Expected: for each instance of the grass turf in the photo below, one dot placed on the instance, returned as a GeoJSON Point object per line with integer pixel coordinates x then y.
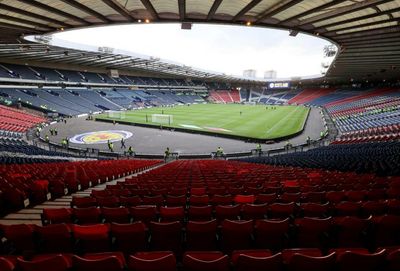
{"type": "Point", "coordinates": [231, 119]}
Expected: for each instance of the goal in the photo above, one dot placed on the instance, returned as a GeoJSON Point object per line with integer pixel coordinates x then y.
{"type": "Point", "coordinates": [116, 115]}
{"type": "Point", "coordinates": [162, 119]}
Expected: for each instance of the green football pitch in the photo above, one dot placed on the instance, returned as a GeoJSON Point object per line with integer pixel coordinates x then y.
{"type": "Point", "coordinates": [252, 121]}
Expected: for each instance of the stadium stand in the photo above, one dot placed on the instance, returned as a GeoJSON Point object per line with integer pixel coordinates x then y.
{"type": "Point", "coordinates": [328, 204]}
{"type": "Point", "coordinates": [308, 95]}
{"type": "Point", "coordinates": [361, 220]}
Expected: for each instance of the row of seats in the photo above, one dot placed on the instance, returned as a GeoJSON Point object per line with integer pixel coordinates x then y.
{"type": "Point", "coordinates": [241, 260]}
{"type": "Point", "coordinates": [23, 184]}
{"type": "Point", "coordinates": [134, 212]}
{"type": "Point", "coordinates": [378, 157]}
{"type": "Point", "coordinates": [325, 234]}
{"type": "Point", "coordinates": [16, 120]}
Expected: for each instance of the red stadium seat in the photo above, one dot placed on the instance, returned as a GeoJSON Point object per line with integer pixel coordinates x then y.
{"type": "Point", "coordinates": [110, 261]}
{"type": "Point", "coordinates": [6, 264]}
{"type": "Point", "coordinates": [227, 212]}
{"type": "Point", "coordinates": [144, 213]}
{"type": "Point", "coordinates": [200, 261]}
{"type": "Point", "coordinates": [236, 234]}
{"type": "Point", "coordinates": [172, 213]}
{"type": "Point", "coordinates": [200, 213]}
{"type": "Point", "coordinates": [314, 209]}
{"type": "Point", "coordinates": [254, 211]}
{"type": "Point", "coordinates": [55, 238]}
{"type": "Point", "coordinates": [281, 210]}
{"type": "Point", "coordinates": [246, 262]}
{"type": "Point", "coordinates": [117, 215]}
{"type": "Point", "coordinates": [53, 263]}
{"type": "Point", "coordinates": [89, 215]}
{"type": "Point", "coordinates": [93, 238]}
{"type": "Point", "coordinates": [176, 201]}
{"type": "Point", "coordinates": [351, 231]}
{"type": "Point", "coordinates": [349, 260]}
{"type": "Point", "coordinates": [271, 234]}
{"type": "Point", "coordinates": [266, 198]}
{"type": "Point", "coordinates": [21, 237]}
{"type": "Point", "coordinates": [300, 262]}
{"type": "Point", "coordinates": [152, 261]}
{"type": "Point", "coordinates": [202, 200]}
{"type": "Point", "coordinates": [56, 215]}
{"type": "Point", "coordinates": [166, 236]}
{"type": "Point", "coordinates": [129, 237]}
{"type": "Point", "coordinates": [201, 235]}
{"type": "Point", "coordinates": [313, 232]}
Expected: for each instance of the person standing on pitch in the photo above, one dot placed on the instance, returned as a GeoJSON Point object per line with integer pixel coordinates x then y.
{"type": "Point", "coordinates": [258, 149]}
{"type": "Point", "coordinates": [123, 143]}
{"type": "Point", "coordinates": [166, 154]}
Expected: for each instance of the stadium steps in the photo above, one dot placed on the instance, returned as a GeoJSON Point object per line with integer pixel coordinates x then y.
{"type": "Point", "coordinates": [32, 215]}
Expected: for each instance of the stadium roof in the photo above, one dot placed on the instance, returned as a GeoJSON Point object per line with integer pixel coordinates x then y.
{"type": "Point", "coordinates": [367, 31]}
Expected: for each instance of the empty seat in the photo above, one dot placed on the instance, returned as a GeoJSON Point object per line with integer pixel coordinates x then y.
{"type": "Point", "coordinates": [144, 213]}
{"type": "Point", "coordinates": [130, 201]}
{"type": "Point", "coordinates": [109, 261]}
{"type": "Point", "coordinates": [335, 196]}
{"type": "Point", "coordinates": [281, 210]}
{"type": "Point", "coordinates": [351, 231]}
{"type": "Point", "coordinates": [208, 260]}
{"type": "Point", "coordinates": [166, 236]}
{"type": "Point", "coordinates": [314, 210]}
{"type": "Point", "coordinates": [200, 213]}
{"type": "Point", "coordinates": [89, 215]}
{"type": "Point", "coordinates": [56, 215]}
{"type": "Point", "coordinates": [254, 211]}
{"type": "Point", "coordinates": [172, 213]}
{"type": "Point", "coordinates": [347, 208]}
{"type": "Point", "coordinates": [258, 262]}
{"type": "Point", "coordinates": [300, 262]}
{"type": "Point", "coordinates": [266, 198]}
{"type": "Point", "coordinates": [152, 261]}
{"type": "Point", "coordinates": [227, 212]}
{"type": "Point", "coordinates": [244, 199]}
{"type": "Point", "coordinates": [55, 238]}
{"type": "Point", "coordinates": [92, 238]}
{"type": "Point", "coordinates": [350, 260]}
{"type": "Point", "coordinates": [83, 202]}
{"type": "Point", "coordinates": [20, 236]}
{"type": "Point", "coordinates": [201, 235]}
{"type": "Point", "coordinates": [7, 265]}
{"type": "Point", "coordinates": [156, 200]}
{"type": "Point", "coordinates": [51, 263]}
{"type": "Point", "coordinates": [222, 200]}
{"type": "Point", "coordinates": [386, 230]}
{"type": "Point", "coordinates": [271, 234]}
{"type": "Point", "coordinates": [129, 237]}
{"type": "Point", "coordinates": [117, 215]}
{"type": "Point", "coordinates": [174, 201]}
{"type": "Point", "coordinates": [110, 202]}
{"type": "Point", "coordinates": [199, 200]}
{"type": "Point", "coordinates": [313, 232]}
{"type": "Point", "coordinates": [236, 234]}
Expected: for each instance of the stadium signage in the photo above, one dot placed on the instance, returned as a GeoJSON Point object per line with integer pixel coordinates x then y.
{"type": "Point", "coordinates": [279, 85]}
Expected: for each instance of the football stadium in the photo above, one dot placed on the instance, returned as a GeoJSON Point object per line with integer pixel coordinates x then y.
{"type": "Point", "coordinates": [115, 160]}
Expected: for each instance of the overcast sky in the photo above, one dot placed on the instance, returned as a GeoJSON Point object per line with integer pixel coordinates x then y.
{"type": "Point", "coordinates": [220, 48]}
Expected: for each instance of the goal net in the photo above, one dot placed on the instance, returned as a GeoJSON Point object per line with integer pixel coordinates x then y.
{"type": "Point", "coordinates": [162, 119]}
{"type": "Point", "coordinates": [116, 114]}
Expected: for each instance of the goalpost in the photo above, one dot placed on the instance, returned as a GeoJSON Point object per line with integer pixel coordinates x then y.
{"type": "Point", "coordinates": [162, 119]}
{"type": "Point", "coordinates": [116, 114]}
